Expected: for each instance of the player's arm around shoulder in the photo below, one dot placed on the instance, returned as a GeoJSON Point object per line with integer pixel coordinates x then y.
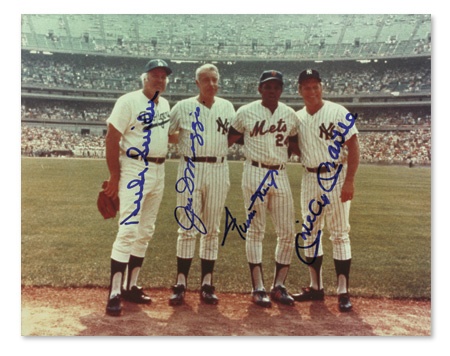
{"type": "Point", "coordinates": [174, 127]}
{"type": "Point", "coordinates": [236, 130]}
{"type": "Point", "coordinates": [293, 145]}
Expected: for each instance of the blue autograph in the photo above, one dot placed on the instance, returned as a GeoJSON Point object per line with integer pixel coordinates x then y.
{"type": "Point", "coordinates": [133, 152]}
{"type": "Point", "coordinates": [261, 192]}
{"type": "Point", "coordinates": [334, 152]}
{"type": "Point", "coordinates": [187, 181]}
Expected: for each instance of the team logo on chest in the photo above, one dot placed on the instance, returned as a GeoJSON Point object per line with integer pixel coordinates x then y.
{"type": "Point", "coordinates": [326, 132]}
{"type": "Point", "coordinates": [222, 126]}
{"type": "Point", "coordinates": [260, 129]}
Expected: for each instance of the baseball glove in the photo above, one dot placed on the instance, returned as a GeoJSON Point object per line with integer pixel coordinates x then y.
{"type": "Point", "coordinates": [107, 206]}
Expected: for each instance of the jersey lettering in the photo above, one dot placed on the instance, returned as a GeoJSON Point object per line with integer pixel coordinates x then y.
{"type": "Point", "coordinates": [258, 129]}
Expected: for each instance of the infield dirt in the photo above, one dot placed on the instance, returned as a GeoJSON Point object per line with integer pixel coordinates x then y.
{"type": "Point", "coordinates": [81, 312]}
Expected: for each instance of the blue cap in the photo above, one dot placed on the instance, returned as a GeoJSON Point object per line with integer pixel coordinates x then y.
{"type": "Point", "coordinates": [271, 75]}
{"type": "Point", "coordinates": [157, 63]}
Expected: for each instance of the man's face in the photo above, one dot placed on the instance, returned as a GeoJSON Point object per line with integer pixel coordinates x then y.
{"type": "Point", "coordinates": [270, 92]}
{"type": "Point", "coordinates": [208, 83]}
{"type": "Point", "coordinates": [156, 81]}
{"type": "Point", "coordinates": [311, 92]}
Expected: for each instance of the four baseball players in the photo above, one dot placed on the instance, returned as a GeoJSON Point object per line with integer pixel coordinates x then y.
{"type": "Point", "coordinates": [323, 134]}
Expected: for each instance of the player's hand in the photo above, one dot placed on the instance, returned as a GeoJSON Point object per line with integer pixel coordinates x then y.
{"type": "Point", "coordinates": [347, 191]}
{"type": "Point", "coordinates": [112, 189]}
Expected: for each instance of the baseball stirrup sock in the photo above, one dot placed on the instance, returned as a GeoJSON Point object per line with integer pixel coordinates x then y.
{"type": "Point", "coordinates": [315, 272]}
{"type": "Point", "coordinates": [183, 267]}
{"type": "Point", "coordinates": [281, 272]}
{"type": "Point", "coordinates": [134, 267]}
{"type": "Point", "coordinates": [117, 273]}
{"type": "Point", "coordinates": [257, 276]}
{"type": "Point", "coordinates": [207, 271]}
{"type": "Point", "coordinates": [342, 272]}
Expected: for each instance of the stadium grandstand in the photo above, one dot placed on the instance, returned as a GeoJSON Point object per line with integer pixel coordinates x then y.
{"type": "Point", "coordinates": [74, 67]}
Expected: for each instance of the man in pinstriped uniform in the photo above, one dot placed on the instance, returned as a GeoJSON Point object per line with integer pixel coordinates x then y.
{"type": "Point", "coordinates": [203, 179]}
{"type": "Point", "coordinates": [266, 126]}
{"type": "Point", "coordinates": [327, 133]}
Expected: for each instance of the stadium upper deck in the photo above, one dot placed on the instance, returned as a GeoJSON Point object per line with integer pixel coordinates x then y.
{"type": "Point", "coordinates": [228, 37]}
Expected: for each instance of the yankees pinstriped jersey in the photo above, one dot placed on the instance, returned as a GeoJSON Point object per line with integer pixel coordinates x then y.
{"type": "Point", "coordinates": [266, 135]}
{"type": "Point", "coordinates": [315, 132]}
{"type": "Point", "coordinates": [203, 133]}
{"type": "Point", "coordinates": [215, 121]}
{"type": "Point", "coordinates": [126, 118]}
{"type": "Point", "coordinates": [315, 137]}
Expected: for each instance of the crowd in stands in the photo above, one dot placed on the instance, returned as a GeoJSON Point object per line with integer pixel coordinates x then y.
{"type": "Point", "coordinates": [392, 147]}
{"type": "Point", "coordinates": [368, 118]}
{"type": "Point", "coordinates": [396, 147]}
{"type": "Point", "coordinates": [118, 74]}
{"type": "Point", "coordinates": [47, 141]}
{"type": "Point", "coordinates": [47, 110]}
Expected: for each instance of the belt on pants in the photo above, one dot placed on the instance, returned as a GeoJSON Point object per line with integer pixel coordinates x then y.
{"type": "Point", "coordinates": [205, 159]}
{"type": "Point", "coordinates": [262, 165]}
{"type": "Point", "coordinates": [157, 160]}
{"type": "Point", "coordinates": [323, 169]}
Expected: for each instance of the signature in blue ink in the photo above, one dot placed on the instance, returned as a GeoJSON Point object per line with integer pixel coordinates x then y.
{"type": "Point", "coordinates": [333, 179]}
{"type": "Point", "coordinates": [315, 210]}
{"type": "Point", "coordinates": [196, 136]}
{"type": "Point", "coordinates": [131, 185]}
{"type": "Point", "coordinates": [186, 182]}
{"type": "Point", "coordinates": [260, 193]}
{"type": "Point", "coordinates": [133, 152]}
{"type": "Point", "coordinates": [193, 218]}
{"type": "Point", "coordinates": [334, 152]}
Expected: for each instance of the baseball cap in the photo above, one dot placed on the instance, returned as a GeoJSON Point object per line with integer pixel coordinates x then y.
{"type": "Point", "coordinates": [271, 75]}
{"type": "Point", "coordinates": [157, 63]}
{"type": "Point", "coordinates": [308, 74]}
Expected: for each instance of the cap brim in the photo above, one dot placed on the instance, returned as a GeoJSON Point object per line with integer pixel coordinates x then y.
{"type": "Point", "coordinates": [167, 69]}
{"type": "Point", "coordinates": [266, 80]}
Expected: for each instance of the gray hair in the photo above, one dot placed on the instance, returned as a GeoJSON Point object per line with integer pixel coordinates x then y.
{"type": "Point", "coordinates": [206, 67]}
{"type": "Point", "coordinates": [144, 77]}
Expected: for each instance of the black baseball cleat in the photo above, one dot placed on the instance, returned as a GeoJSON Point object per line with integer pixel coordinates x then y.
{"type": "Point", "coordinates": [344, 302]}
{"type": "Point", "coordinates": [260, 297]}
{"type": "Point", "coordinates": [177, 298]}
{"type": "Point", "coordinates": [207, 294]}
{"type": "Point", "coordinates": [114, 306]}
{"type": "Point", "coordinates": [280, 295]}
{"type": "Point", "coordinates": [308, 294]}
{"type": "Point", "coordinates": [136, 295]}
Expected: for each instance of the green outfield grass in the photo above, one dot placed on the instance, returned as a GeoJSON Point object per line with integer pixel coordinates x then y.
{"type": "Point", "coordinates": [67, 243]}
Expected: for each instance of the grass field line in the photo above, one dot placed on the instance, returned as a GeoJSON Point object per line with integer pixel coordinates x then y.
{"type": "Point", "coordinates": [66, 242]}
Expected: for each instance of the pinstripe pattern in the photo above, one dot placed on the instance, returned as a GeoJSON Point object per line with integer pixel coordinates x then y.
{"type": "Point", "coordinates": [270, 147]}
{"type": "Point", "coordinates": [314, 144]}
{"type": "Point", "coordinates": [211, 180]}
{"type": "Point", "coordinates": [313, 147]}
{"type": "Point", "coordinates": [265, 137]}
